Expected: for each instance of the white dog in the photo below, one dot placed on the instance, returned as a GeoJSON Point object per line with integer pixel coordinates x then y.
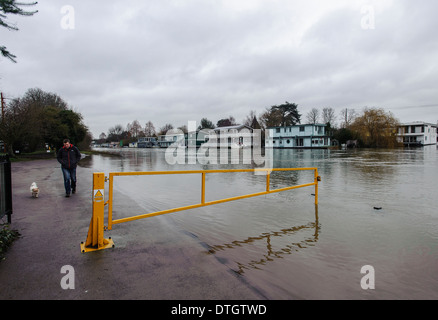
{"type": "Point", "coordinates": [34, 190]}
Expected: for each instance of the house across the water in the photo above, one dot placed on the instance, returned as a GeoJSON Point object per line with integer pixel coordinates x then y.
{"type": "Point", "coordinates": [146, 142]}
{"type": "Point", "coordinates": [298, 136]}
{"type": "Point", "coordinates": [237, 136]}
{"type": "Point", "coordinates": [417, 133]}
{"type": "Point", "coordinates": [175, 139]}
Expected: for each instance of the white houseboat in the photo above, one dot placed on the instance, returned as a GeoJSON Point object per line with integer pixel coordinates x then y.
{"type": "Point", "coordinates": [237, 136]}
{"type": "Point", "coordinates": [176, 138]}
{"type": "Point", "coordinates": [298, 137]}
{"type": "Point", "coordinates": [417, 133]}
{"type": "Point", "coordinates": [146, 142]}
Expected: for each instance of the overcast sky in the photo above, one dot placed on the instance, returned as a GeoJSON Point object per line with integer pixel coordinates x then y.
{"type": "Point", "coordinates": [172, 61]}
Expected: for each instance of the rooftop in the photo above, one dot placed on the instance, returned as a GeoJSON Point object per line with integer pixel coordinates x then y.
{"type": "Point", "coordinates": [418, 123]}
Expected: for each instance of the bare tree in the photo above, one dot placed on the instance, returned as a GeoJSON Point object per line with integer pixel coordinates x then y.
{"type": "Point", "coordinates": [115, 132]}
{"type": "Point", "coordinates": [348, 115]}
{"type": "Point", "coordinates": [183, 128]}
{"type": "Point", "coordinates": [149, 129]}
{"type": "Point", "coordinates": [250, 118]}
{"type": "Point", "coordinates": [165, 128]}
{"type": "Point", "coordinates": [312, 116]}
{"type": "Point", "coordinates": [328, 116]}
{"type": "Point", "coordinates": [134, 128]}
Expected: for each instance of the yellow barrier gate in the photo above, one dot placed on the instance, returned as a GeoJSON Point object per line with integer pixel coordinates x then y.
{"type": "Point", "coordinates": [95, 239]}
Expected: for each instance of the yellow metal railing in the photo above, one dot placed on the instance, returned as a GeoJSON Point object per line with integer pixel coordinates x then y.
{"type": "Point", "coordinates": [95, 240]}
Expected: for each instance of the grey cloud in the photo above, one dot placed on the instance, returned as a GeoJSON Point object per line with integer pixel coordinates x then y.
{"type": "Point", "coordinates": [174, 61]}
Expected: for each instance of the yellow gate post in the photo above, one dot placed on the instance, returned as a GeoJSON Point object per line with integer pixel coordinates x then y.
{"type": "Point", "coordinates": [316, 180]}
{"type": "Point", "coordinates": [95, 240]}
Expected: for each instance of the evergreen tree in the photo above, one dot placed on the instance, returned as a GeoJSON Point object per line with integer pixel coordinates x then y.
{"type": "Point", "coordinates": [12, 7]}
{"type": "Point", "coordinates": [38, 118]}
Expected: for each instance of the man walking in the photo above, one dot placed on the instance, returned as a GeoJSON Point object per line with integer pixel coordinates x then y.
{"type": "Point", "coordinates": [68, 156]}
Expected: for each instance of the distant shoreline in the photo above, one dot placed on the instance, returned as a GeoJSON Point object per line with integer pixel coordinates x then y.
{"type": "Point", "coordinates": [42, 155]}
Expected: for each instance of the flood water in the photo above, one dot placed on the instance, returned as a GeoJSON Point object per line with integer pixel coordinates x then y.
{"type": "Point", "coordinates": [285, 246]}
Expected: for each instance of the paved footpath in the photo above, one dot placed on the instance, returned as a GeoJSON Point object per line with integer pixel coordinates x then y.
{"type": "Point", "coordinates": [151, 260]}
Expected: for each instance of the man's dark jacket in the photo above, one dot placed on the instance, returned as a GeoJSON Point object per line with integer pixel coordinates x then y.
{"type": "Point", "coordinates": [69, 158]}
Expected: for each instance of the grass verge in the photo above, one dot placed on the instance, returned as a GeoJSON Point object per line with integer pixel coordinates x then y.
{"type": "Point", "coordinates": [7, 237]}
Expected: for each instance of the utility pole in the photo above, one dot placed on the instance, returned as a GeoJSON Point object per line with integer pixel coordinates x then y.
{"type": "Point", "coordinates": [3, 105]}
{"type": "Point", "coordinates": [346, 117]}
{"type": "Point", "coordinates": [3, 116]}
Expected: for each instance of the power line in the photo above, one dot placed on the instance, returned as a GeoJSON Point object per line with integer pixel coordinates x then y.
{"type": "Point", "coordinates": [422, 106]}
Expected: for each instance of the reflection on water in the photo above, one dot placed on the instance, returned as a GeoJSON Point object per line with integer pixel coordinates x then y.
{"type": "Point", "coordinates": [270, 254]}
{"type": "Point", "coordinates": [311, 260]}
